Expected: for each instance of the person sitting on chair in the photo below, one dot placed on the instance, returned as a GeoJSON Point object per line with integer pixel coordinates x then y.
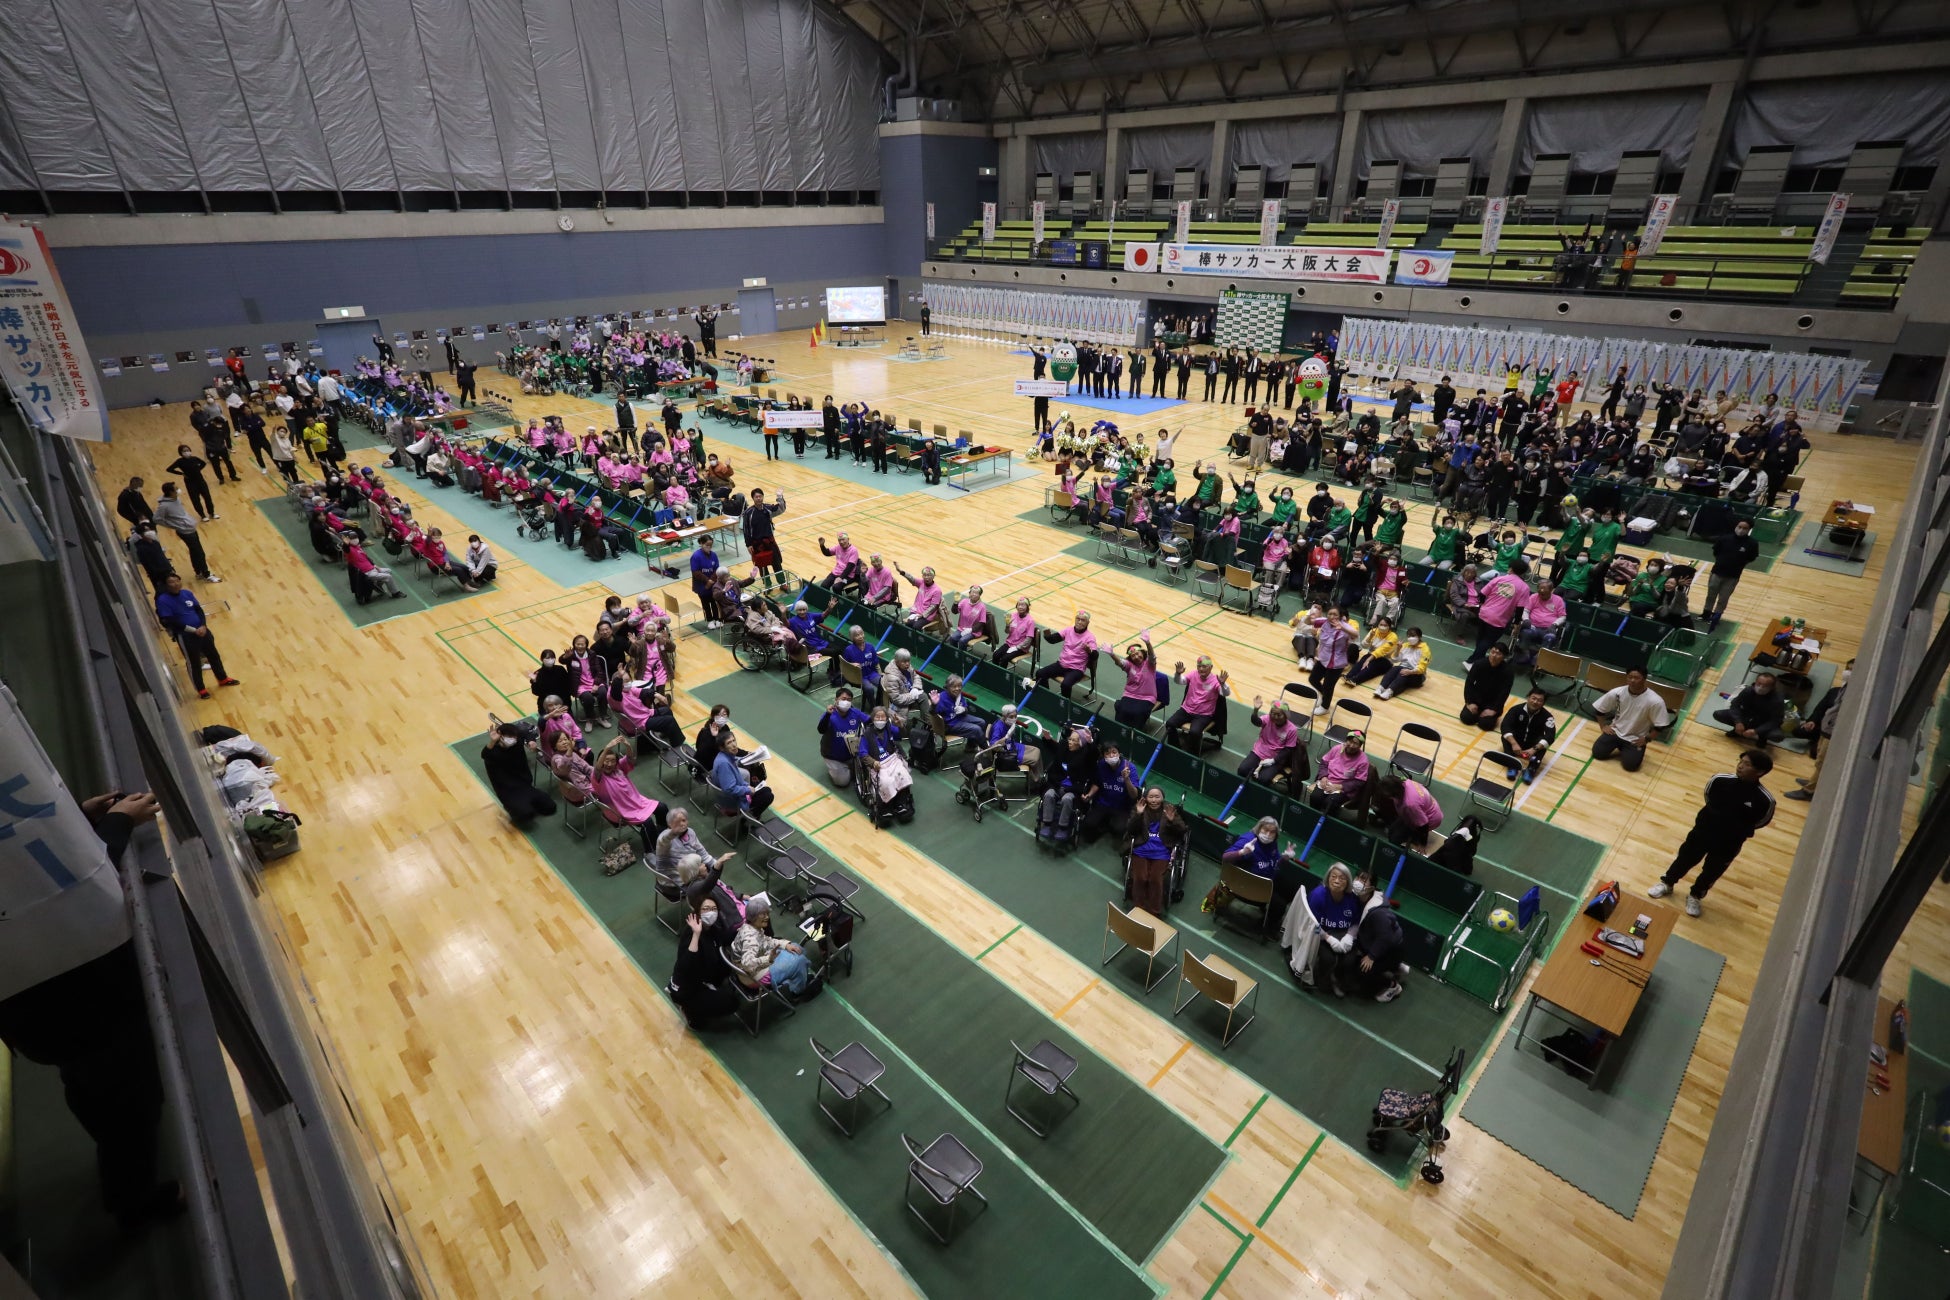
{"type": "Point", "coordinates": [1112, 791]}
{"type": "Point", "coordinates": [846, 565]}
{"type": "Point", "coordinates": [971, 619]}
{"type": "Point", "coordinates": [1277, 735]}
{"type": "Point", "coordinates": [1073, 661]}
{"type": "Point", "coordinates": [863, 656]}
{"type": "Point", "coordinates": [881, 589]}
{"type": "Point", "coordinates": [1376, 965]}
{"type": "Point", "coordinates": [1006, 731]}
{"type": "Point", "coordinates": [1344, 775]}
{"type": "Point", "coordinates": [808, 629]}
{"type": "Point", "coordinates": [1152, 837]}
{"type": "Point", "coordinates": [902, 685]}
{"type": "Point", "coordinates": [614, 787]}
{"type": "Point", "coordinates": [1406, 810]}
{"type": "Point", "coordinates": [1205, 692]}
{"type": "Point", "coordinates": [880, 750]}
{"type": "Point", "coordinates": [1259, 851]}
{"type": "Point", "coordinates": [737, 793]}
{"type": "Point", "coordinates": [766, 962]}
{"type": "Point", "coordinates": [839, 721]}
{"type": "Point", "coordinates": [957, 713]}
{"type": "Point", "coordinates": [927, 596]}
{"type": "Point", "coordinates": [1070, 771]}
{"type": "Point", "coordinates": [1018, 635]}
{"type": "Point", "coordinates": [1334, 907]}
{"type": "Point", "coordinates": [1140, 697]}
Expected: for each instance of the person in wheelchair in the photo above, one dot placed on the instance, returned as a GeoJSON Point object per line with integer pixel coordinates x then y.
{"type": "Point", "coordinates": [957, 713]}
{"type": "Point", "coordinates": [1154, 835]}
{"type": "Point", "coordinates": [1110, 794]}
{"type": "Point", "coordinates": [1259, 851]}
{"type": "Point", "coordinates": [1006, 732]}
{"type": "Point", "coordinates": [886, 782]}
{"type": "Point", "coordinates": [862, 655]}
{"type": "Point", "coordinates": [840, 721]}
{"type": "Point", "coordinates": [1072, 769]}
{"type": "Point", "coordinates": [811, 635]}
{"type": "Point", "coordinates": [1073, 661]}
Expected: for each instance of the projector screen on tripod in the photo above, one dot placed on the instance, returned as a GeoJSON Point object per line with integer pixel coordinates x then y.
{"type": "Point", "coordinates": [863, 306]}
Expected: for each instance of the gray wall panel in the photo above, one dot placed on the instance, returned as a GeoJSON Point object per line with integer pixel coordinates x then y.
{"type": "Point", "coordinates": [730, 85]}
{"type": "Point", "coordinates": [341, 90]}
{"type": "Point", "coordinates": [766, 75]}
{"type": "Point", "coordinates": [564, 93]}
{"type": "Point", "coordinates": [112, 55]}
{"type": "Point", "coordinates": [465, 117]}
{"type": "Point", "coordinates": [507, 67]}
{"type": "Point", "coordinates": [190, 48]}
{"type": "Point", "coordinates": [42, 94]}
{"type": "Point", "coordinates": [610, 82]}
{"type": "Point", "coordinates": [399, 82]}
{"type": "Point", "coordinates": [271, 79]}
{"type": "Point", "coordinates": [648, 56]}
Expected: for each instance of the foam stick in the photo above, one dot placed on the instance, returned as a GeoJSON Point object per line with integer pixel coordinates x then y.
{"type": "Point", "coordinates": [1312, 837]}
{"type": "Point", "coordinates": [885, 633]}
{"type": "Point", "coordinates": [1400, 862]}
{"type": "Point", "coordinates": [1147, 764]}
{"type": "Point", "coordinates": [1225, 814]}
{"type": "Point", "coordinates": [931, 654]}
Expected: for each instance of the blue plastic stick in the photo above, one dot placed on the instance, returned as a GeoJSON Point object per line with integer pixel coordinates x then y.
{"type": "Point", "coordinates": [1147, 764]}
{"type": "Point", "coordinates": [1312, 837]}
{"type": "Point", "coordinates": [1620, 629]}
{"type": "Point", "coordinates": [1400, 862]}
{"type": "Point", "coordinates": [931, 654]}
{"type": "Point", "coordinates": [885, 633]}
{"type": "Point", "coordinates": [804, 587]}
{"type": "Point", "coordinates": [1226, 812]}
{"type": "Point", "coordinates": [1023, 703]}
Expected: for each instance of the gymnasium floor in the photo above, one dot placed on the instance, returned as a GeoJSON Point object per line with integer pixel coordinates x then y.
{"type": "Point", "coordinates": [548, 1126]}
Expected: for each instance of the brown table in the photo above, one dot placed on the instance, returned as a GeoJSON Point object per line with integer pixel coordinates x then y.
{"type": "Point", "coordinates": [1879, 1142]}
{"type": "Point", "coordinates": [1604, 995]}
{"type": "Point", "coordinates": [1843, 514]}
{"type": "Point", "coordinates": [1764, 645]}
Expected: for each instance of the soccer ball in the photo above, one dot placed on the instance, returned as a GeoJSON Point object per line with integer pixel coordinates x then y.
{"type": "Point", "coordinates": [1503, 920]}
{"type": "Point", "coordinates": [1943, 1133]}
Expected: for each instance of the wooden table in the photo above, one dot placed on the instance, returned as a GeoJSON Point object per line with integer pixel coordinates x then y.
{"type": "Point", "coordinates": [1765, 646]}
{"type": "Point", "coordinates": [657, 547]}
{"type": "Point", "coordinates": [996, 458]}
{"type": "Point", "coordinates": [1879, 1142]}
{"type": "Point", "coordinates": [1601, 995]}
{"type": "Point", "coordinates": [1844, 514]}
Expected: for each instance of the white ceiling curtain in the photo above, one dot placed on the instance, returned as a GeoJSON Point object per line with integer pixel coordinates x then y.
{"type": "Point", "coordinates": [1422, 137]}
{"type": "Point", "coordinates": [1164, 149]}
{"type": "Point", "coordinates": [1276, 143]}
{"type": "Point", "coordinates": [177, 95]}
{"type": "Point", "coordinates": [1825, 119]}
{"type": "Point", "coordinates": [1064, 153]}
{"type": "Point", "coordinates": [1597, 130]}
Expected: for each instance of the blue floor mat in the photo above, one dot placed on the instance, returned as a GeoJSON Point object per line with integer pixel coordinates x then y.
{"type": "Point", "coordinates": [1122, 405]}
{"type": "Point", "coordinates": [497, 527]}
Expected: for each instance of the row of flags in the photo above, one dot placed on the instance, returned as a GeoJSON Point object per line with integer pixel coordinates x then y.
{"type": "Point", "coordinates": [1092, 318]}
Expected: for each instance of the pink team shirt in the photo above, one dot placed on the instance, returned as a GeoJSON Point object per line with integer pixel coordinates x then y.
{"type": "Point", "coordinates": [1076, 648]}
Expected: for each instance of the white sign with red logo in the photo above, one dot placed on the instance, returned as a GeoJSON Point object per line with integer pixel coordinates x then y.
{"type": "Point", "coordinates": [1424, 266]}
{"type": "Point", "coordinates": [988, 223]}
{"type": "Point", "coordinates": [775, 419]}
{"type": "Point", "coordinates": [1391, 212]}
{"type": "Point", "coordinates": [1269, 221]}
{"type": "Point", "coordinates": [1492, 225]}
{"type": "Point", "coordinates": [1656, 222]}
{"type": "Point", "coordinates": [42, 355]}
{"type": "Point", "coordinates": [1831, 225]}
{"type": "Point", "coordinates": [1036, 217]}
{"type": "Point", "coordinates": [1184, 220]}
{"type": "Point", "coordinates": [1278, 262]}
{"type": "Point", "coordinates": [1140, 257]}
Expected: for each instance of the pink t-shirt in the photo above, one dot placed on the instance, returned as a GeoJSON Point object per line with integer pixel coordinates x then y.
{"type": "Point", "coordinates": [1141, 680]}
{"type": "Point", "coordinates": [1542, 612]}
{"type": "Point", "coordinates": [1076, 648]}
{"type": "Point", "coordinates": [633, 708]}
{"type": "Point", "coordinates": [1500, 599]}
{"type": "Point", "coordinates": [1273, 739]}
{"type": "Point", "coordinates": [620, 793]}
{"type": "Point", "coordinates": [1419, 807]}
{"type": "Point", "coordinates": [927, 598]}
{"type": "Point", "coordinates": [970, 614]}
{"type": "Point", "coordinates": [880, 585]}
{"type": "Point", "coordinates": [1202, 694]}
{"type": "Point", "coordinates": [1275, 551]}
{"type": "Point", "coordinates": [844, 557]}
{"type": "Point", "coordinates": [1021, 628]}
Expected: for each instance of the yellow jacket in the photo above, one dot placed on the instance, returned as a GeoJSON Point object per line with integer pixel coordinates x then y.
{"type": "Point", "coordinates": [1414, 658]}
{"type": "Point", "coordinates": [1379, 643]}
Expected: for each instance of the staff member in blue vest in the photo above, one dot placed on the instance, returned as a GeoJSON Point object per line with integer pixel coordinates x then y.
{"type": "Point", "coordinates": [182, 613]}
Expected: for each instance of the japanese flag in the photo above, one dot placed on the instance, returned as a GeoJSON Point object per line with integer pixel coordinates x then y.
{"type": "Point", "coordinates": [1140, 257]}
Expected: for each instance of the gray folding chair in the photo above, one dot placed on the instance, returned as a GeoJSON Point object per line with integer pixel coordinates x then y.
{"type": "Point", "coordinates": [1047, 1066]}
{"type": "Point", "coordinates": [945, 1170]}
{"type": "Point", "coordinates": [850, 1072]}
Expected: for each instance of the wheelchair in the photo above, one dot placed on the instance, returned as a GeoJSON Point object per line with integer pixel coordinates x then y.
{"type": "Point", "coordinates": [537, 521]}
{"type": "Point", "coordinates": [757, 650]}
{"type": "Point", "coordinates": [1175, 883]}
{"type": "Point", "coordinates": [1419, 1114]}
{"type": "Point", "coordinates": [866, 785]}
{"type": "Point", "coordinates": [980, 790]}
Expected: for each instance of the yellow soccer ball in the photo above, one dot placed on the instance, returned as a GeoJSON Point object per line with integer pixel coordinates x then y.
{"type": "Point", "coordinates": [1503, 920]}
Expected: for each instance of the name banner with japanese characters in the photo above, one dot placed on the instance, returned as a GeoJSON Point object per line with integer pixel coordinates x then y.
{"type": "Point", "coordinates": [42, 355]}
{"type": "Point", "coordinates": [1279, 262]}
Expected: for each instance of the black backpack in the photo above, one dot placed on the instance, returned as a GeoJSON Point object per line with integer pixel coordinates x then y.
{"type": "Point", "coordinates": [923, 748]}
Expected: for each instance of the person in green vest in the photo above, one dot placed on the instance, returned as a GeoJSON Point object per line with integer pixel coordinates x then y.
{"type": "Point", "coordinates": [1605, 536]}
{"type": "Point", "coordinates": [1167, 480]}
{"type": "Point", "coordinates": [1541, 384]}
{"type": "Point", "coordinates": [1245, 498]}
{"type": "Point", "coordinates": [1367, 509]}
{"type": "Point", "coordinates": [1576, 529]}
{"type": "Point", "coordinates": [1643, 592]}
{"type": "Point", "coordinates": [1338, 520]}
{"type": "Point", "coordinates": [1445, 552]}
{"type": "Point", "coordinates": [1509, 550]}
{"type": "Point", "coordinates": [1576, 582]}
{"type": "Point", "coordinates": [1394, 521]}
{"type": "Point", "coordinates": [1209, 486]}
{"type": "Point", "coordinates": [1285, 509]}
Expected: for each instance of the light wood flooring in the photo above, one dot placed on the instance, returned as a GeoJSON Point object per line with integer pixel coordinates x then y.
{"type": "Point", "coordinates": [546, 1123]}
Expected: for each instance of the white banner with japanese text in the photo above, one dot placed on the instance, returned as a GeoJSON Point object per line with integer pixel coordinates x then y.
{"type": "Point", "coordinates": [1831, 226]}
{"type": "Point", "coordinates": [1036, 220]}
{"type": "Point", "coordinates": [988, 223]}
{"type": "Point", "coordinates": [1269, 221]}
{"type": "Point", "coordinates": [1279, 262]}
{"type": "Point", "coordinates": [42, 355]}
{"type": "Point", "coordinates": [1391, 212]}
{"type": "Point", "coordinates": [930, 221]}
{"type": "Point", "coordinates": [1656, 222]}
{"type": "Point", "coordinates": [1492, 225]}
{"type": "Point", "coordinates": [1184, 220]}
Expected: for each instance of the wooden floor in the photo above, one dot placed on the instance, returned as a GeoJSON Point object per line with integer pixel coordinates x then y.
{"type": "Point", "coordinates": [548, 1126]}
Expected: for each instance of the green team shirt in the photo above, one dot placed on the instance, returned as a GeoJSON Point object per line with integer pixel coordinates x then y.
{"type": "Point", "coordinates": [1644, 589]}
{"type": "Point", "coordinates": [1447, 545]}
{"type": "Point", "coordinates": [1208, 489]}
{"type": "Point", "coordinates": [1573, 537]}
{"type": "Point", "coordinates": [1284, 510]}
{"type": "Point", "coordinates": [1166, 481]}
{"type": "Point", "coordinates": [1604, 540]}
{"type": "Point", "coordinates": [1541, 384]}
{"type": "Point", "coordinates": [1338, 518]}
{"type": "Point", "coordinates": [1389, 531]}
{"type": "Point", "coordinates": [1507, 555]}
{"type": "Point", "coordinates": [1577, 578]}
{"type": "Point", "coordinates": [1247, 503]}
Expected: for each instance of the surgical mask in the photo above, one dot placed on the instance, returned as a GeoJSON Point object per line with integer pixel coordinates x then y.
{"type": "Point", "coordinates": [880, 724]}
{"type": "Point", "coordinates": [1359, 888]}
{"type": "Point", "coordinates": [548, 661]}
{"type": "Point", "coordinates": [507, 741]}
{"type": "Point", "coordinates": [1267, 837]}
{"type": "Point", "coordinates": [709, 916]}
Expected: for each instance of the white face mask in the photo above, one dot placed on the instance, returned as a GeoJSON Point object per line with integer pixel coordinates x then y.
{"type": "Point", "coordinates": [1267, 837]}
{"type": "Point", "coordinates": [880, 724]}
{"type": "Point", "coordinates": [709, 916]}
{"type": "Point", "coordinates": [507, 741]}
{"type": "Point", "coordinates": [1842, 678]}
{"type": "Point", "coordinates": [1359, 888]}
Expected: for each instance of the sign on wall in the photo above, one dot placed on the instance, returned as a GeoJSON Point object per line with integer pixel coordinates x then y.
{"type": "Point", "coordinates": [1036, 220]}
{"type": "Point", "coordinates": [1269, 221]}
{"type": "Point", "coordinates": [930, 221]}
{"type": "Point", "coordinates": [988, 223]}
{"type": "Point", "coordinates": [1424, 266]}
{"type": "Point", "coordinates": [1656, 222]}
{"type": "Point", "coordinates": [1282, 262]}
{"type": "Point", "coordinates": [42, 355]}
{"type": "Point", "coordinates": [1831, 226]}
{"type": "Point", "coordinates": [1493, 211]}
{"type": "Point", "coordinates": [1184, 220]}
{"type": "Point", "coordinates": [1391, 212]}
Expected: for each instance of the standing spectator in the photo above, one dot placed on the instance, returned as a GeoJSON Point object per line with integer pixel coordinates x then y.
{"type": "Point", "coordinates": [1631, 713]}
{"type": "Point", "coordinates": [155, 563]}
{"type": "Point", "coordinates": [182, 614]}
{"type": "Point", "coordinates": [1736, 806]}
{"type": "Point", "coordinates": [191, 468]}
{"type": "Point", "coordinates": [1732, 553]}
{"type": "Point", "coordinates": [171, 515]}
{"type": "Point", "coordinates": [132, 505]}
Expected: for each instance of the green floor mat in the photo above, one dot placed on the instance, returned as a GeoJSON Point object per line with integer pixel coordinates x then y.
{"type": "Point", "coordinates": [748, 446]}
{"type": "Point", "coordinates": [418, 589]}
{"type": "Point", "coordinates": [1603, 1140]}
{"type": "Point", "coordinates": [566, 566]}
{"type": "Point", "coordinates": [1821, 676]}
{"type": "Point", "coordinates": [1327, 1058]}
{"type": "Point", "coordinates": [943, 1025]}
{"type": "Point", "coordinates": [1812, 550]}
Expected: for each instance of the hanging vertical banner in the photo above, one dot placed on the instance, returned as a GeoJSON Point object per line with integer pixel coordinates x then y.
{"type": "Point", "coordinates": [1656, 222]}
{"type": "Point", "coordinates": [1831, 226]}
{"type": "Point", "coordinates": [41, 352]}
{"type": "Point", "coordinates": [1390, 212]}
{"type": "Point", "coordinates": [988, 223]}
{"type": "Point", "coordinates": [1492, 225]}
{"type": "Point", "coordinates": [1184, 221]}
{"type": "Point", "coordinates": [1269, 221]}
{"type": "Point", "coordinates": [1036, 219]}
{"type": "Point", "coordinates": [930, 221]}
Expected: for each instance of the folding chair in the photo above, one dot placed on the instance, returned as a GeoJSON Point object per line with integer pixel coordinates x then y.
{"type": "Point", "coordinates": [1206, 581]}
{"type": "Point", "coordinates": [945, 1170]}
{"type": "Point", "coordinates": [1142, 931]}
{"type": "Point", "coordinates": [754, 997]}
{"type": "Point", "coordinates": [1415, 765]}
{"type": "Point", "coordinates": [1359, 718]}
{"type": "Point", "coordinates": [674, 758]}
{"type": "Point", "coordinates": [1495, 792]}
{"type": "Point", "coordinates": [669, 890]}
{"type": "Point", "coordinates": [1558, 667]}
{"type": "Point", "coordinates": [1599, 679]}
{"type": "Point", "coordinates": [1047, 1066]}
{"type": "Point", "coordinates": [1221, 982]}
{"type": "Point", "coordinates": [1241, 581]}
{"type": "Point", "coordinates": [575, 815]}
{"type": "Point", "coordinates": [850, 1072]}
{"type": "Point", "coordinates": [1252, 890]}
{"type": "Point", "coordinates": [1301, 701]}
{"type": "Point", "coordinates": [1171, 554]}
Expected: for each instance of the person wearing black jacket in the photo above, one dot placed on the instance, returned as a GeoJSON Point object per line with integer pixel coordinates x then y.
{"type": "Point", "coordinates": [1443, 397]}
{"type": "Point", "coordinates": [931, 459]}
{"type": "Point", "coordinates": [626, 421]}
{"type": "Point", "coordinates": [1038, 363]}
{"type": "Point", "coordinates": [829, 415]}
{"type": "Point", "coordinates": [1737, 805]}
{"type": "Point", "coordinates": [700, 982]}
{"type": "Point", "coordinates": [132, 505]}
{"type": "Point", "coordinates": [1487, 689]}
{"type": "Point", "coordinates": [1528, 732]}
{"type": "Point", "coordinates": [1755, 714]}
{"type": "Point", "coordinates": [1230, 367]}
{"type": "Point", "coordinates": [1374, 967]}
{"type": "Point", "coordinates": [551, 678]}
{"type": "Point", "coordinates": [1608, 409]}
{"type": "Point", "coordinates": [191, 469]}
{"type": "Point", "coordinates": [510, 779]}
{"type": "Point", "coordinates": [1184, 369]}
{"type": "Point", "coordinates": [761, 542]}
{"type": "Point", "coordinates": [1732, 553]}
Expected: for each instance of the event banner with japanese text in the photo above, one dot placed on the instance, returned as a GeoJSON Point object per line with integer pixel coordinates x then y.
{"type": "Point", "coordinates": [1279, 262]}
{"type": "Point", "coordinates": [41, 350]}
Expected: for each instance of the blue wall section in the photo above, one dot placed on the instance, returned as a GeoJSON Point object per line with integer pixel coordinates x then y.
{"type": "Point", "coordinates": [164, 288]}
{"type": "Point", "coordinates": [916, 170]}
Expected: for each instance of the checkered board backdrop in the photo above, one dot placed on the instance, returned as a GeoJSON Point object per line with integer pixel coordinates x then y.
{"type": "Point", "coordinates": [1250, 320]}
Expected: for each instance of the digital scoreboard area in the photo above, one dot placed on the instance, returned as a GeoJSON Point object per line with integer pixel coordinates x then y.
{"type": "Point", "coordinates": [863, 306]}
